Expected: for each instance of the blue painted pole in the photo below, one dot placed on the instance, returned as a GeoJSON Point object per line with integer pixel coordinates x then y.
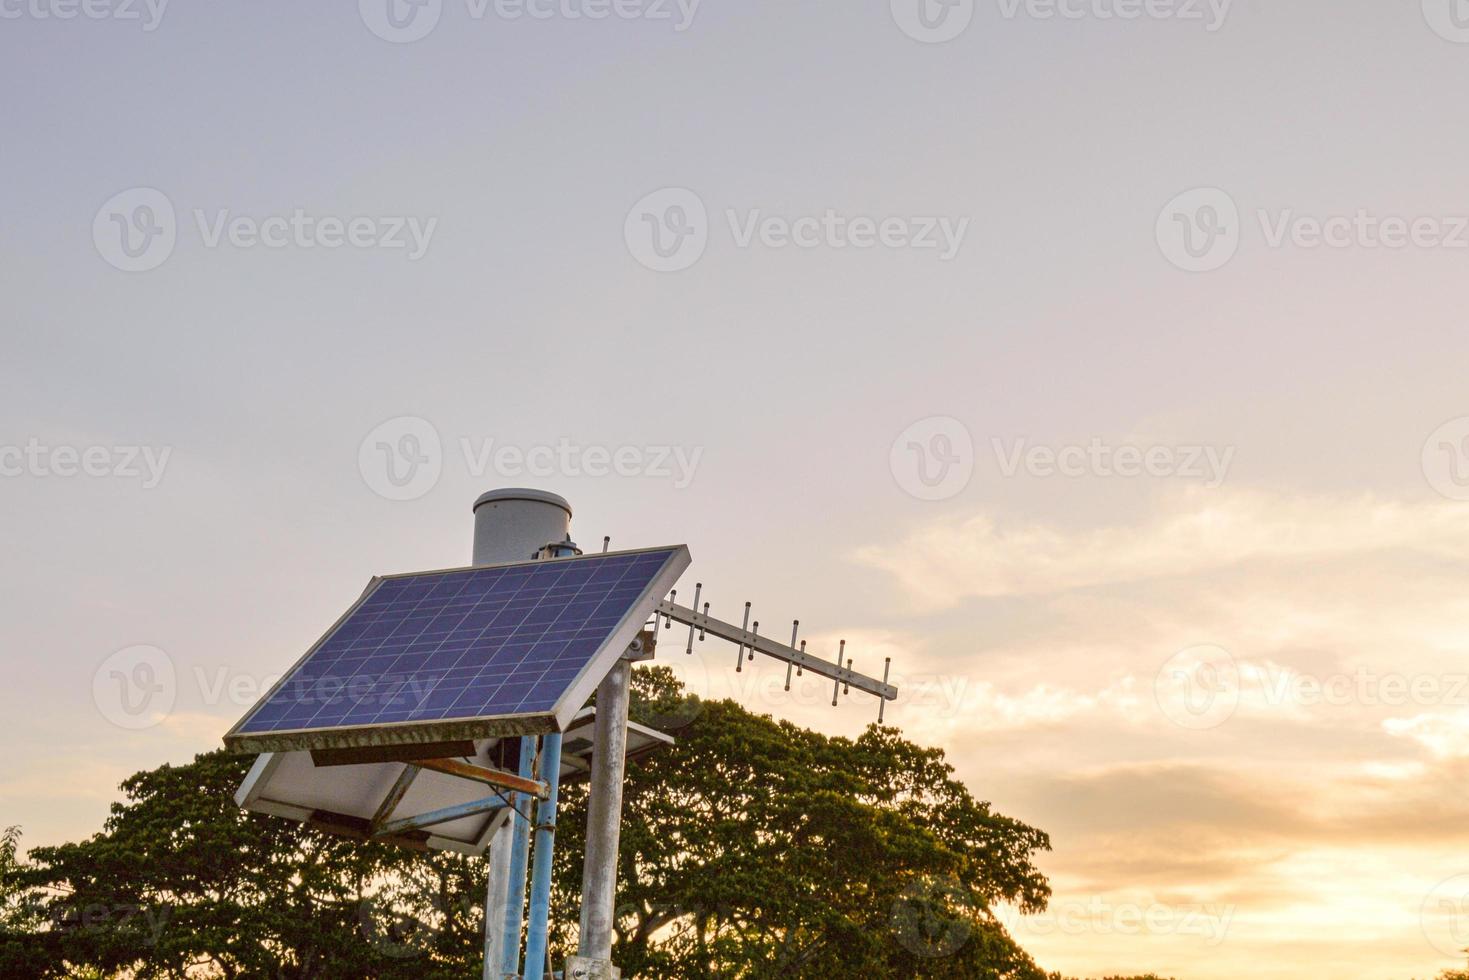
{"type": "Point", "coordinates": [519, 859]}
{"type": "Point", "coordinates": [540, 881]}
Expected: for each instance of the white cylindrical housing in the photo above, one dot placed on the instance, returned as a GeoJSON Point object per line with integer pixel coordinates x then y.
{"type": "Point", "coordinates": [511, 525]}
{"type": "Point", "coordinates": [514, 524]}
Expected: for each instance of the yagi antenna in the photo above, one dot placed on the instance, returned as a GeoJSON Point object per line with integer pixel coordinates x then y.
{"type": "Point", "coordinates": [698, 587]}
{"type": "Point", "coordinates": [747, 636]}
{"type": "Point", "coordinates": [790, 665]}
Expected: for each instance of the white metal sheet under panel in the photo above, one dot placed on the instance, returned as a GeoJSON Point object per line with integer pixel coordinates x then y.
{"type": "Point", "coordinates": [343, 799]}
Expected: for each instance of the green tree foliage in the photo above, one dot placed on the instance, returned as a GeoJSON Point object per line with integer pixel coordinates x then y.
{"type": "Point", "coordinates": [760, 849]}
{"type": "Point", "coordinates": [183, 883]}
{"type": "Point", "coordinates": [752, 849]}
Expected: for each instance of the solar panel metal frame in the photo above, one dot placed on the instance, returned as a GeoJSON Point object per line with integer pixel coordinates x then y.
{"type": "Point", "coordinates": [576, 694]}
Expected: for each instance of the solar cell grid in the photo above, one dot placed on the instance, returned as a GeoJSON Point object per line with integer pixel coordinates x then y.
{"type": "Point", "coordinates": [466, 644]}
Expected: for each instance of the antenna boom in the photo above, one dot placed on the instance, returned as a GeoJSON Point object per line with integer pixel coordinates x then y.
{"type": "Point", "coordinates": [772, 648]}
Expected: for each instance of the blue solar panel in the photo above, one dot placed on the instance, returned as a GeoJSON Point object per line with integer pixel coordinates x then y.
{"type": "Point", "coordinates": [481, 643]}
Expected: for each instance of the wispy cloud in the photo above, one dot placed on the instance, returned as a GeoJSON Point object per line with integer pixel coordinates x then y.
{"type": "Point", "coordinates": [1195, 531]}
{"type": "Point", "coordinates": [1318, 798]}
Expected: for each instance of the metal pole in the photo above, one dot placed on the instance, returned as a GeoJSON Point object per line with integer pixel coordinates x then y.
{"type": "Point", "coordinates": [519, 857]}
{"type": "Point", "coordinates": [540, 882]}
{"type": "Point", "coordinates": [604, 815]}
{"type": "Point", "coordinates": [495, 910]}
{"type": "Point", "coordinates": [511, 525]}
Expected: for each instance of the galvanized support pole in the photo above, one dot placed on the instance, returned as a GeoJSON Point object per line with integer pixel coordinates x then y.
{"type": "Point", "coordinates": [540, 882]}
{"type": "Point", "coordinates": [511, 525]}
{"type": "Point", "coordinates": [495, 904]}
{"type": "Point", "coordinates": [604, 815]}
{"type": "Point", "coordinates": [519, 859]}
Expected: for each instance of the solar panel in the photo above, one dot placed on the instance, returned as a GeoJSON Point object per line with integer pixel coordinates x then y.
{"type": "Point", "coordinates": [498, 650]}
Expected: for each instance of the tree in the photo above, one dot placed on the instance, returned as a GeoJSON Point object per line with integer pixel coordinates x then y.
{"type": "Point", "coordinates": [753, 848]}
{"type": "Point", "coordinates": [183, 883]}
{"type": "Point", "coordinates": [759, 849]}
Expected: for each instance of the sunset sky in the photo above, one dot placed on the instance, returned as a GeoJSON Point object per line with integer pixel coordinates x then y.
{"type": "Point", "coordinates": [1106, 372]}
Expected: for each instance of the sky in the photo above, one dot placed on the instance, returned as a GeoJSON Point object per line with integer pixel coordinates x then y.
{"type": "Point", "coordinates": [1099, 361]}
